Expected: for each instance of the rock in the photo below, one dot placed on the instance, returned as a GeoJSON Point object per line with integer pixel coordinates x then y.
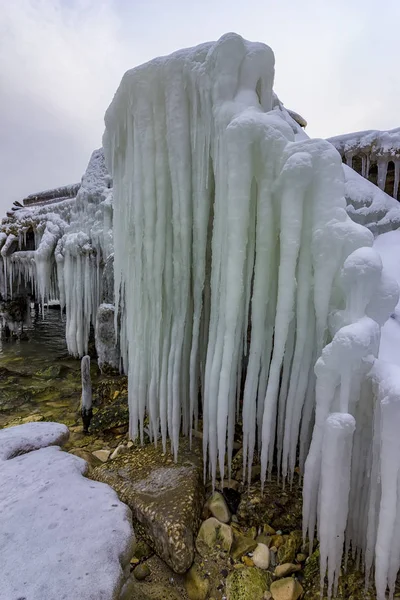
{"type": "Point", "coordinates": [121, 449]}
{"type": "Point", "coordinates": [301, 558]}
{"type": "Point", "coordinates": [247, 584]}
{"type": "Point", "coordinates": [286, 589]}
{"type": "Point", "coordinates": [212, 533]}
{"type": "Point", "coordinates": [267, 595]}
{"type": "Point", "coordinates": [196, 586]}
{"type": "Point", "coordinates": [218, 508]}
{"type": "Point", "coordinates": [277, 541]}
{"type": "Point", "coordinates": [141, 571]}
{"type": "Point", "coordinates": [91, 460]}
{"type": "Point", "coordinates": [261, 556]}
{"type": "Point", "coordinates": [241, 545]}
{"type": "Point", "coordinates": [287, 551]}
{"type": "Point", "coordinates": [268, 530]}
{"type": "Point", "coordinates": [102, 455]}
{"type": "Point", "coordinates": [247, 561]}
{"type": "Point", "coordinates": [165, 497]}
{"type": "Point", "coordinates": [286, 569]}
{"type": "Point", "coordinates": [143, 590]}
{"type": "Point", "coordinates": [264, 539]}
{"type": "Point", "coordinates": [142, 550]}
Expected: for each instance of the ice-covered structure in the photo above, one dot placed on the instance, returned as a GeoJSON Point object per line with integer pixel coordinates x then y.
{"type": "Point", "coordinates": [242, 288]}
{"type": "Point", "coordinates": [375, 155]}
{"type": "Point", "coordinates": [57, 250]}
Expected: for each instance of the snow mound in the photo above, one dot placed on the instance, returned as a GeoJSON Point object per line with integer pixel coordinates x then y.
{"type": "Point", "coordinates": [31, 436]}
{"type": "Point", "coordinates": [63, 536]}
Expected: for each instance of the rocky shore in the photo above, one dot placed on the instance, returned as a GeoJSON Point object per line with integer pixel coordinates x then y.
{"type": "Point", "coordinates": [194, 543]}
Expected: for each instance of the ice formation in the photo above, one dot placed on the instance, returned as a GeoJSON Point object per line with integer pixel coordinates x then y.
{"type": "Point", "coordinates": [57, 251]}
{"type": "Point", "coordinates": [373, 147]}
{"type": "Point", "coordinates": [242, 289]}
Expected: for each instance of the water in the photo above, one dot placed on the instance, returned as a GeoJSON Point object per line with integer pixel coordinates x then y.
{"type": "Point", "coordinates": [37, 377]}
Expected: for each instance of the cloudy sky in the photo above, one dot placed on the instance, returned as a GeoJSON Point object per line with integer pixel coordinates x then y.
{"type": "Point", "coordinates": [61, 61]}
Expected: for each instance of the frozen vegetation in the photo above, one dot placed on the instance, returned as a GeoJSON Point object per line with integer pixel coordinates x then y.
{"type": "Point", "coordinates": [78, 527]}
{"type": "Point", "coordinates": [237, 273]}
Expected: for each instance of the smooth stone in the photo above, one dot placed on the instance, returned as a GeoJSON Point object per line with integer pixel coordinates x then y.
{"type": "Point", "coordinates": [286, 569]}
{"type": "Point", "coordinates": [261, 556]}
{"type": "Point", "coordinates": [301, 558]}
{"type": "Point", "coordinates": [212, 533]}
{"type": "Point", "coordinates": [286, 589]}
{"type": "Point", "coordinates": [196, 586]}
{"type": "Point", "coordinates": [141, 571]}
{"type": "Point", "coordinates": [218, 508]}
{"type": "Point", "coordinates": [121, 449]}
{"type": "Point", "coordinates": [102, 455]}
{"type": "Point", "coordinates": [166, 498]}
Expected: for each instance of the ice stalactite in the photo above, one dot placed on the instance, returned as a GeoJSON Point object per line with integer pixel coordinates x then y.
{"type": "Point", "coordinates": [382, 172]}
{"type": "Point", "coordinates": [229, 236]}
{"type": "Point", "coordinates": [345, 413]}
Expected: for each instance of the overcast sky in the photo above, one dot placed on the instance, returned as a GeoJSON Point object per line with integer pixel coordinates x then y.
{"type": "Point", "coordinates": [337, 64]}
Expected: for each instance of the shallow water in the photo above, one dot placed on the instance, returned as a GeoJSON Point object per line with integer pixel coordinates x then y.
{"type": "Point", "coordinates": [37, 377]}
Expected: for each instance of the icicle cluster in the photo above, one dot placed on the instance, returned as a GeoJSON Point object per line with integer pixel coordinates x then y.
{"type": "Point", "coordinates": [341, 481]}
{"type": "Point", "coordinates": [229, 236]}
{"type": "Point", "coordinates": [72, 239]}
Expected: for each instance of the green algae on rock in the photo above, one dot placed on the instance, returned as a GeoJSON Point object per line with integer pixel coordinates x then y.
{"type": "Point", "coordinates": [247, 584]}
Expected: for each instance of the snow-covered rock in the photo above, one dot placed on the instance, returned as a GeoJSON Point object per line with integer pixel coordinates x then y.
{"type": "Point", "coordinates": [63, 536]}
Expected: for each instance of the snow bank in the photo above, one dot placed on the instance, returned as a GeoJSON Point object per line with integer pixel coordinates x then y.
{"type": "Point", "coordinates": [63, 536]}
{"type": "Point", "coordinates": [371, 141]}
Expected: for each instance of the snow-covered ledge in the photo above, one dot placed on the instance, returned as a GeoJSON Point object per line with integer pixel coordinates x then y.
{"type": "Point", "coordinates": [63, 536]}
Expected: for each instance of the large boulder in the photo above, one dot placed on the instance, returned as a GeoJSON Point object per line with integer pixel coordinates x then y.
{"type": "Point", "coordinates": [165, 497]}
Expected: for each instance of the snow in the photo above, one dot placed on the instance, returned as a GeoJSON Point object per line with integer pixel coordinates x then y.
{"type": "Point", "coordinates": [368, 205]}
{"type": "Point", "coordinates": [66, 536]}
{"type": "Point", "coordinates": [372, 141]}
{"type": "Point", "coordinates": [31, 436]}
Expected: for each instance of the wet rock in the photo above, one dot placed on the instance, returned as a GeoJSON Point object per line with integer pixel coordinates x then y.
{"type": "Point", "coordinates": [287, 551]}
{"type": "Point", "coordinates": [141, 571]}
{"type": "Point", "coordinates": [261, 556]}
{"type": "Point", "coordinates": [165, 497]}
{"type": "Point", "coordinates": [247, 584]}
{"type": "Point", "coordinates": [213, 533]}
{"type": "Point", "coordinates": [218, 508]}
{"type": "Point", "coordinates": [111, 417]}
{"type": "Point", "coordinates": [286, 589]}
{"type": "Point", "coordinates": [102, 455]}
{"type": "Point", "coordinates": [196, 586]}
{"type": "Point", "coordinates": [286, 569]}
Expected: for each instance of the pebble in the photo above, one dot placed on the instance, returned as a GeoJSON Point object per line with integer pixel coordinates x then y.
{"type": "Point", "coordinates": [121, 449]}
{"type": "Point", "coordinates": [286, 589]}
{"type": "Point", "coordinates": [261, 556]}
{"type": "Point", "coordinates": [196, 586]}
{"type": "Point", "coordinates": [218, 508]}
{"type": "Point", "coordinates": [286, 569]}
{"type": "Point", "coordinates": [102, 455]}
{"type": "Point", "coordinates": [141, 572]}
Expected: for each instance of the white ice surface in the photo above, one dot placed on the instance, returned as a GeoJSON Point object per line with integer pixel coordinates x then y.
{"type": "Point", "coordinates": [62, 536]}
{"type": "Point", "coordinates": [388, 246]}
